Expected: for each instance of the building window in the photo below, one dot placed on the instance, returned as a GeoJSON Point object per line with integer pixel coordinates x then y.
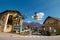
{"type": "Point", "coordinates": [4, 17]}
{"type": "Point", "coordinates": [50, 21]}
{"type": "Point", "coordinates": [53, 29]}
{"type": "Point", "coordinates": [10, 20]}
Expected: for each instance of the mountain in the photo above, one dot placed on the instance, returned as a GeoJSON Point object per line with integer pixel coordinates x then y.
{"type": "Point", "coordinates": [33, 24]}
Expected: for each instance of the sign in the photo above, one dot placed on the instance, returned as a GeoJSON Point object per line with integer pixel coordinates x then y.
{"type": "Point", "coordinates": [55, 30]}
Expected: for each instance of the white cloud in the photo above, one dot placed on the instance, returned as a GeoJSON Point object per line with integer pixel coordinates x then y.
{"type": "Point", "coordinates": [28, 21]}
{"type": "Point", "coordinates": [32, 17]}
{"type": "Point", "coordinates": [40, 19]}
{"type": "Point", "coordinates": [40, 15]}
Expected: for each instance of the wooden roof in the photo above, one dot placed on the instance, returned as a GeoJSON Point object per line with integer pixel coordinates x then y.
{"type": "Point", "coordinates": [23, 16]}
{"type": "Point", "coordinates": [51, 17]}
{"type": "Point", "coordinates": [11, 11]}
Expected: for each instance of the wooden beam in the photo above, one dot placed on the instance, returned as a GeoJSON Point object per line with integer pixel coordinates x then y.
{"type": "Point", "coordinates": [6, 20]}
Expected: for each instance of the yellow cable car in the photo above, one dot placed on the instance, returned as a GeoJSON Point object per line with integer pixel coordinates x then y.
{"type": "Point", "coordinates": [35, 16]}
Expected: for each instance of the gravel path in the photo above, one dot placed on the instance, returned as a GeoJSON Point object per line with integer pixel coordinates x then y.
{"type": "Point", "coordinates": [9, 36]}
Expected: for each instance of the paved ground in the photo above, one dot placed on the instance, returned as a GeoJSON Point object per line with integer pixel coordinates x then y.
{"type": "Point", "coordinates": [9, 36]}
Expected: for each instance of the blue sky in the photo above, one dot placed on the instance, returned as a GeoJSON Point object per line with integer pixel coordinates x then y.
{"type": "Point", "coordinates": [28, 7]}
